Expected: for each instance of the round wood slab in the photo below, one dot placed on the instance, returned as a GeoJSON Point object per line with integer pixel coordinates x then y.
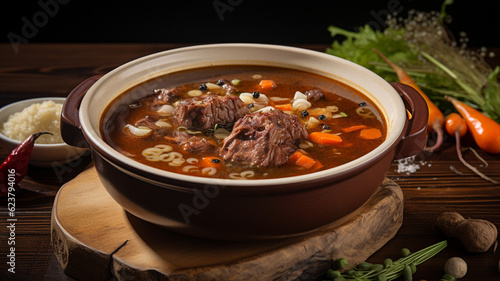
{"type": "Point", "coordinates": [95, 239]}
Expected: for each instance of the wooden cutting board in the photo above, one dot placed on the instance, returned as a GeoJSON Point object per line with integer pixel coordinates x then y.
{"type": "Point", "coordinates": [95, 239]}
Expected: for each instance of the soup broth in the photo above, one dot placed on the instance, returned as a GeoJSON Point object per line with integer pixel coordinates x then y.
{"type": "Point", "coordinates": [204, 122]}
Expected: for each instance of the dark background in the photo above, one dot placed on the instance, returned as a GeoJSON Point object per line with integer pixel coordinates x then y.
{"type": "Point", "coordinates": [191, 21]}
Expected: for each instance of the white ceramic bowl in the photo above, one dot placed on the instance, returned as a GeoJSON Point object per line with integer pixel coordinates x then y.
{"type": "Point", "coordinates": [43, 155]}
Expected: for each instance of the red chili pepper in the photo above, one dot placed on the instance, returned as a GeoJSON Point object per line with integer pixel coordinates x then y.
{"type": "Point", "coordinates": [15, 166]}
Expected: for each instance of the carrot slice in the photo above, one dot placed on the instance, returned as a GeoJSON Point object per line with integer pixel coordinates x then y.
{"type": "Point", "coordinates": [284, 107]}
{"type": "Point", "coordinates": [210, 161]}
{"type": "Point", "coordinates": [325, 138]}
{"type": "Point", "coordinates": [353, 128]}
{"type": "Point", "coordinates": [305, 161]}
{"type": "Point", "coordinates": [295, 156]}
{"type": "Point", "coordinates": [317, 165]}
{"type": "Point", "coordinates": [370, 133]}
{"type": "Point", "coordinates": [267, 84]}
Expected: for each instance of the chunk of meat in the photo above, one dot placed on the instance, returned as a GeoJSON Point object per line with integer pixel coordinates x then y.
{"type": "Point", "coordinates": [315, 95]}
{"type": "Point", "coordinates": [263, 138]}
{"type": "Point", "coordinates": [227, 85]}
{"type": "Point", "coordinates": [150, 122]}
{"type": "Point", "coordinates": [205, 111]}
{"type": "Point", "coordinates": [165, 96]}
{"type": "Point", "coordinates": [192, 143]}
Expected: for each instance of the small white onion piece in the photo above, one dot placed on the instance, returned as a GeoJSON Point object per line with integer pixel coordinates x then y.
{"type": "Point", "coordinates": [300, 105]}
{"type": "Point", "coordinates": [162, 124]}
{"type": "Point", "coordinates": [338, 116]}
{"type": "Point", "coordinates": [140, 131]}
{"type": "Point", "coordinates": [313, 123]}
{"type": "Point", "coordinates": [305, 144]}
{"type": "Point", "coordinates": [266, 109]}
{"type": "Point", "coordinates": [247, 98]}
{"type": "Point", "coordinates": [212, 86]}
{"type": "Point", "coordinates": [299, 96]}
{"type": "Point", "coordinates": [194, 93]}
{"type": "Point", "coordinates": [279, 99]}
{"type": "Point", "coordinates": [261, 102]}
{"type": "Point", "coordinates": [166, 110]}
{"type": "Point", "coordinates": [332, 108]}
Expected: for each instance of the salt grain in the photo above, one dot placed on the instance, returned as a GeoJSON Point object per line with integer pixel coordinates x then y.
{"type": "Point", "coordinates": [407, 165]}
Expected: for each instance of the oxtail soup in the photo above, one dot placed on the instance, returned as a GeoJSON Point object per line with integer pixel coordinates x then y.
{"type": "Point", "coordinates": [243, 122]}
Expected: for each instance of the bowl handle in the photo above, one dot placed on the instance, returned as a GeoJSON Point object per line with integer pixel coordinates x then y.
{"type": "Point", "coordinates": [70, 121]}
{"type": "Point", "coordinates": [414, 136]}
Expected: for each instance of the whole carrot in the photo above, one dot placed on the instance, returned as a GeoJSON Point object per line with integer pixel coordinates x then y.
{"type": "Point", "coordinates": [457, 127]}
{"type": "Point", "coordinates": [436, 117]}
{"type": "Point", "coordinates": [486, 131]}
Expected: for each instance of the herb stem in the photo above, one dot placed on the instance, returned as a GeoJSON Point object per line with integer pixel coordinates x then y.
{"type": "Point", "coordinates": [473, 94]}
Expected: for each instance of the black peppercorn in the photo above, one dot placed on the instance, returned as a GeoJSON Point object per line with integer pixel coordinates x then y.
{"type": "Point", "coordinates": [304, 113]}
{"type": "Point", "coordinates": [203, 87]}
{"type": "Point", "coordinates": [256, 95]}
{"type": "Point", "coordinates": [322, 117]}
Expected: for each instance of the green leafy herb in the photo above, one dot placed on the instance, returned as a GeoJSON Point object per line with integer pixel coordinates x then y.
{"type": "Point", "coordinates": [421, 44]}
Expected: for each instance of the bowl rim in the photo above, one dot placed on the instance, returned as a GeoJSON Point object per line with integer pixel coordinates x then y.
{"type": "Point", "coordinates": [159, 177]}
{"type": "Point", "coordinates": [29, 102]}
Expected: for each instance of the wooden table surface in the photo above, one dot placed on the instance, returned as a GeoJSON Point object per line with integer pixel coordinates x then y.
{"type": "Point", "coordinates": [39, 70]}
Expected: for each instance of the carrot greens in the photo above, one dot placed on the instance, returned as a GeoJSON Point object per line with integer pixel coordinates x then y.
{"type": "Point", "coordinates": [423, 46]}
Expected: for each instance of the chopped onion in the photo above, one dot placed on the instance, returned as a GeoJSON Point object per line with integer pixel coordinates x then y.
{"type": "Point", "coordinates": [260, 102]}
{"type": "Point", "coordinates": [166, 110]}
{"type": "Point", "coordinates": [140, 131]}
{"type": "Point", "coordinates": [266, 109]}
{"type": "Point", "coordinates": [279, 99]}
{"type": "Point", "coordinates": [338, 115]}
{"type": "Point", "coordinates": [194, 93]}
{"type": "Point", "coordinates": [162, 124]}
{"type": "Point", "coordinates": [247, 98]}
{"type": "Point", "coordinates": [305, 144]}
{"type": "Point", "coordinates": [332, 108]}
{"type": "Point", "coordinates": [212, 86]}
{"type": "Point", "coordinates": [313, 123]}
{"type": "Point", "coordinates": [299, 96]}
{"type": "Point", "coordinates": [300, 105]}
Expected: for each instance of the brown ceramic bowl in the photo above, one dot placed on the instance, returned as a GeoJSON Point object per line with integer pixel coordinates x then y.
{"type": "Point", "coordinates": [243, 210]}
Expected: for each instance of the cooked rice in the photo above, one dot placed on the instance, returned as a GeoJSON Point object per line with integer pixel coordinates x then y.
{"type": "Point", "coordinates": [38, 117]}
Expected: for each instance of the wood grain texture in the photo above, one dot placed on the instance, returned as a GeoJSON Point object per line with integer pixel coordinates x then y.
{"type": "Point", "coordinates": [93, 237]}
